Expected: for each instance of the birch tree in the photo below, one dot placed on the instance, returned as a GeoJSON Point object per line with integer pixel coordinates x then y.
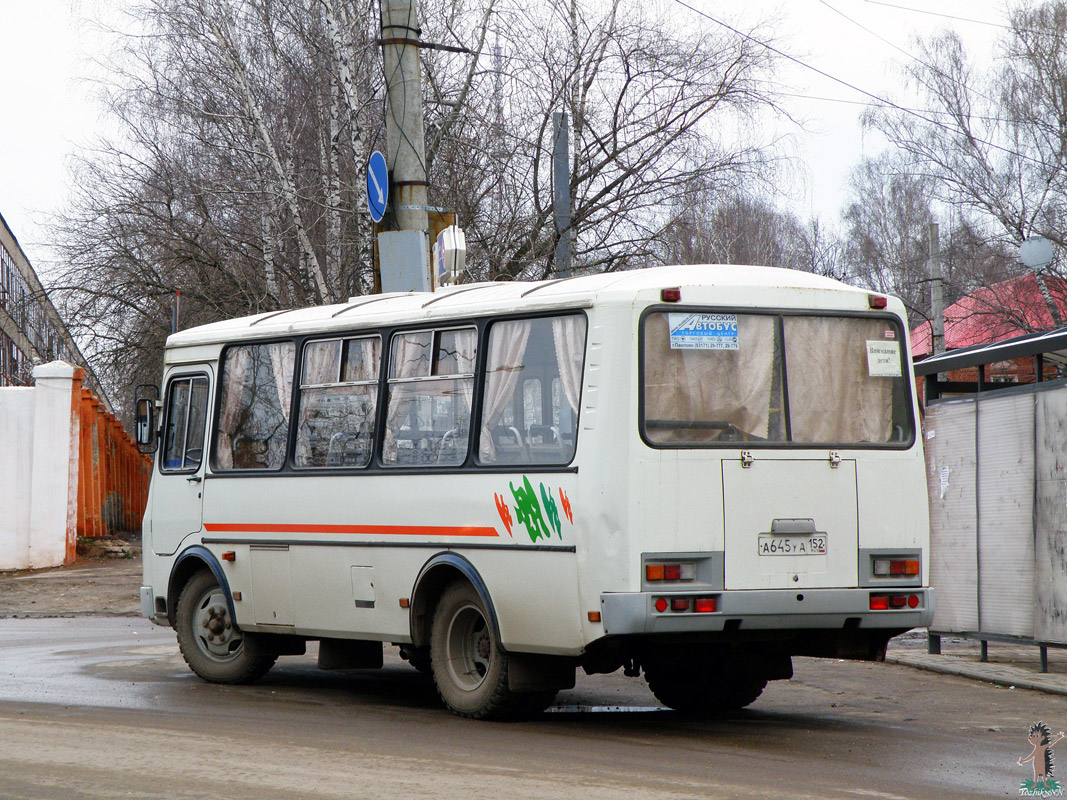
{"type": "Point", "coordinates": [992, 145]}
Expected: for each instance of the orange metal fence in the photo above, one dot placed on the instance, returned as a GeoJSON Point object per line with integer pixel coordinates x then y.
{"type": "Point", "coordinates": [112, 474]}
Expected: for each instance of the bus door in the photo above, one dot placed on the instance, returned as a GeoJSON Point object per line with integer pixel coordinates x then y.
{"type": "Point", "coordinates": [177, 487]}
{"type": "Point", "coordinates": [790, 523]}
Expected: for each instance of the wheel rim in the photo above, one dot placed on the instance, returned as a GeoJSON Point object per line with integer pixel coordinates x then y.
{"type": "Point", "coordinates": [469, 648]}
{"type": "Point", "coordinates": [213, 629]}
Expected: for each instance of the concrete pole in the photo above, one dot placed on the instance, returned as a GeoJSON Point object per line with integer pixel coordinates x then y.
{"type": "Point", "coordinates": [937, 303]}
{"type": "Point", "coordinates": [561, 192]}
{"type": "Point", "coordinates": [404, 133]}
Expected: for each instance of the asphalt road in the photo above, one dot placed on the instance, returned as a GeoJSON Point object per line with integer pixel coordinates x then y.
{"type": "Point", "coordinates": [104, 707]}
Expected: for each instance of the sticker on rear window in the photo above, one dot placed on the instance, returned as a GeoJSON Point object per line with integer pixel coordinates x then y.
{"type": "Point", "coordinates": [883, 359]}
{"type": "Point", "coordinates": [704, 332]}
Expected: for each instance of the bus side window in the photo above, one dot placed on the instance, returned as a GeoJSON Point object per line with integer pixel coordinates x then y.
{"type": "Point", "coordinates": [186, 414]}
{"type": "Point", "coordinates": [338, 402]}
{"type": "Point", "coordinates": [525, 356]}
{"type": "Point", "coordinates": [431, 383]}
{"type": "Point", "coordinates": [253, 424]}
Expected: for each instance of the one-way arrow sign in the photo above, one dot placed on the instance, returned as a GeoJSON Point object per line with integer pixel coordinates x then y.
{"type": "Point", "coordinates": [377, 186]}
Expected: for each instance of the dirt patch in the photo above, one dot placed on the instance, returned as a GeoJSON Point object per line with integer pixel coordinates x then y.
{"type": "Point", "coordinates": [105, 582]}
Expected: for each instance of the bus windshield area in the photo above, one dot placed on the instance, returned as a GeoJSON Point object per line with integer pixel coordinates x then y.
{"type": "Point", "coordinates": [716, 378]}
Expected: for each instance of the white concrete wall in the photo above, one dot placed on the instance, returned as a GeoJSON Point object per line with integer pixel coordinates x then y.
{"type": "Point", "coordinates": [39, 469]}
{"type": "Point", "coordinates": [16, 466]}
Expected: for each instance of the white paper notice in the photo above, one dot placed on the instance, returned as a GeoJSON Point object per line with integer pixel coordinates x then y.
{"type": "Point", "coordinates": [883, 359]}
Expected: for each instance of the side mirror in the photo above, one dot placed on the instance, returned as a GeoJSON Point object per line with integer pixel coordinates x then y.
{"type": "Point", "coordinates": [145, 423]}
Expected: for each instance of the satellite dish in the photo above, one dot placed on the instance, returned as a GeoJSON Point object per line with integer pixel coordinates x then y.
{"type": "Point", "coordinates": [1037, 252]}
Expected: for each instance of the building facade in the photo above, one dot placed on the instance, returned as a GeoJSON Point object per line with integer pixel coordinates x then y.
{"type": "Point", "coordinates": [31, 330]}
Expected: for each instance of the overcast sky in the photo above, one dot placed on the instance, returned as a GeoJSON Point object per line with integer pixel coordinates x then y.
{"type": "Point", "coordinates": [49, 107]}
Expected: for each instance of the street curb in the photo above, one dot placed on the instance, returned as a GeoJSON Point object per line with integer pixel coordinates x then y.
{"type": "Point", "coordinates": [998, 674]}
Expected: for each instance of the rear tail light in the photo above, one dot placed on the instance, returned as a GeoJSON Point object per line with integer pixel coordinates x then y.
{"type": "Point", "coordinates": [884, 602]}
{"type": "Point", "coordinates": [670, 295]}
{"type": "Point", "coordinates": [670, 572]}
{"type": "Point", "coordinates": [699, 605]}
{"type": "Point", "coordinates": [895, 567]}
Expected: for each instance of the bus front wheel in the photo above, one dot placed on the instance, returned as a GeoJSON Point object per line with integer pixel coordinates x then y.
{"type": "Point", "coordinates": [209, 639]}
{"type": "Point", "coordinates": [469, 668]}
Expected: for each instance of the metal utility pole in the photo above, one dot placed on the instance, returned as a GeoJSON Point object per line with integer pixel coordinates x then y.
{"type": "Point", "coordinates": [561, 192]}
{"type": "Point", "coordinates": [937, 303]}
{"type": "Point", "coordinates": [404, 135]}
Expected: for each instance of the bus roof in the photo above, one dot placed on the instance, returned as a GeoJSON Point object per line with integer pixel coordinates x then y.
{"type": "Point", "coordinates": [486, 299]}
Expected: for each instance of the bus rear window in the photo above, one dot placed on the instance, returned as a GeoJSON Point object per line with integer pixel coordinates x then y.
{"type": "Point", "coordinates": [712, 378]}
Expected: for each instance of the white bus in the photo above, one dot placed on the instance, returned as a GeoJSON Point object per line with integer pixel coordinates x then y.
{"type": "Point", "coordinates": [694, 472]}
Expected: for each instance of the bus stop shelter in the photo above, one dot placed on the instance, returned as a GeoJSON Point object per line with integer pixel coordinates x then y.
{"type": "Point", "coordinates": [996, 455]}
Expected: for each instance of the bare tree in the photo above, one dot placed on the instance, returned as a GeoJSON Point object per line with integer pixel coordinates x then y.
{"type": "Point", "coordinates": [993, 146]}
{"type": "Point", "coordinates": [235, 173]}
{"type": "Point", "coordinates": [242, 126]}
{"type": "Point", "coordinates": [647, 101]}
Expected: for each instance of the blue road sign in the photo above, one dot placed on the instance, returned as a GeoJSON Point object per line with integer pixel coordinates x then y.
{"type": "Point", "coordinates": [377, 186]}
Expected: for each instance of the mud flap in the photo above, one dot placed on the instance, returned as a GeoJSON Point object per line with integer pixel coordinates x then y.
{"type": "Point", "coordinates": [533, 672]}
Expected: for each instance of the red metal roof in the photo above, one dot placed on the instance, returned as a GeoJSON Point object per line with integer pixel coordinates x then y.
{"type": "Point", "coordinates": [1010, 308]}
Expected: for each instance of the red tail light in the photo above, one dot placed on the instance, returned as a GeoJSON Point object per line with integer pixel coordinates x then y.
{"type": "Point", "coordinates": [704, 605]}
{"type": "Point", "coordinates": [879, 602]}
{"type": "Point", "coordinates": [680, 604]}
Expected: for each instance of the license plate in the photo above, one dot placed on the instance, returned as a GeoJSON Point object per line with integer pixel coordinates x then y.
{"type": "Point", "coordinates": [770, 545]}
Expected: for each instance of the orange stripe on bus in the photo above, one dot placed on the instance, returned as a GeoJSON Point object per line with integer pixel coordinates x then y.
{"type": "Point", "coordinates": [379, 530]}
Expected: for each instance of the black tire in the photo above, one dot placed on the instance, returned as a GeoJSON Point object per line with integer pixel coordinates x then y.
{"type": "Point", "coordinates": [702, 688]}
{"type": "Point", "coordinates": [224, 658]}
{"type": "Point", "coordinates": [469, 668]}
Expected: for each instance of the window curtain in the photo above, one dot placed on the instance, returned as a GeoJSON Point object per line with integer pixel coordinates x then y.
{"type": "Point", "coordinates": [322, 362]}
{"type": "Point", "coordinates": [507, 345]}
{"type": "Point", "coordinates": [234, 391]}
{"type": "Point", "coordinates": [732, 386]}
{"type": "Point", "coordinates": [282, 358]}
{"type": "Point", "coordinates": [832, 396]}
{"type": "Point", "coordinates": [466, 350]}
{"type": "Point", "coordinates": [408, 360]}
{"type": "Point", "coordinates": [568, 334]}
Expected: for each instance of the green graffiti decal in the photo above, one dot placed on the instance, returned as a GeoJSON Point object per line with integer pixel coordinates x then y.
{"type": "Point", "coordinates": [541, 517]}
{"type": "Point", "coordinates": [528, 510]}
{"type": "Point", "coordinates": [551, 511]}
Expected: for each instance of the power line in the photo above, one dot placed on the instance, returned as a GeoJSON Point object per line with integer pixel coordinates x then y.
{"type": "Point", "coordinates": [851, 86]}
{"type": "Point", "coordinates": [938, 14]}
{"type": "Point", "coordinates": [867, 104]}
{"type": "Point", "coordinates": [897, 47]}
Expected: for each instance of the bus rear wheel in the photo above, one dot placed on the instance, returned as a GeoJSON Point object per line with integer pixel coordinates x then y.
{"type": "Point", "coordinates": [703, 688]}
{"type": "Point", "coordinates": [469, 668]}
{"type": "Point", "coordinates": [209, 639]}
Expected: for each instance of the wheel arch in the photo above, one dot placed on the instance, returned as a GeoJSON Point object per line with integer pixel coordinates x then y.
{"type": "Point", "coordinates": [437, 573]}
{"type": "Point", "coordinates": [188, 563]}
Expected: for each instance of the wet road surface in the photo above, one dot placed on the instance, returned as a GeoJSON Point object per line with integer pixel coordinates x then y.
{"type": "Point", "coordinates": [105, 707]}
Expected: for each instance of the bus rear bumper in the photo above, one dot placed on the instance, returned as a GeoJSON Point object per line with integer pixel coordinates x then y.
{"type": "Point", "coordinates": [772, 609]}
